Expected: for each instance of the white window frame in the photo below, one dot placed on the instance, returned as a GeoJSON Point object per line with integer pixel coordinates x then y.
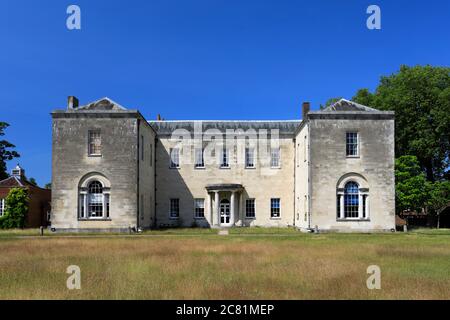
{"type": "Point", "coordinates": [176, 156]}
{"type": "Point", "coordinates": [276, 155]}
{"type": "Point", "coordinates": [2, 207]}
{"type": "Point", "coordinates": [254, 209]}
{"type": "Point", "coordinates": [91, 142]}
{"type": "Point", "coordinates": [279, 208]}
{"type": "Point", "coordinates": [225, 154]}
{"type": "Point", "coordinates": [83, 203]}
{"type": "Point", "coordinates": [198, 207]}
{"type": "Point", "coordinates": [363, 204]}
{"type": "Point", "coordinates": [353, 143]}
{"type": "Point", "coordinates": [250, 151]}
{"type": "Point", "coordinates": [199, 158]}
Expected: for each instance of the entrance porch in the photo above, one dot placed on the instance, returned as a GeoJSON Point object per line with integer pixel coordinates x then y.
{"type": "Point", "coordinates": [225, 204]}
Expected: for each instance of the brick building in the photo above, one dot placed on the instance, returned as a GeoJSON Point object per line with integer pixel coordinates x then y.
{"type": "Point", "coordinates": [39, 198]}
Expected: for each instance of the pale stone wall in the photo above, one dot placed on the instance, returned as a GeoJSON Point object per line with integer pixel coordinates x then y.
{"type": "Point", "coordinates": [70, 163]}
{"type": "Point", "coordinates": [261, 183]}
{"type": "Point", "coordinates": [375, 164]}
{"type": "Point", "coordinates": [146, 175]}
{"type": "Point", "coordinates": [302, 214]}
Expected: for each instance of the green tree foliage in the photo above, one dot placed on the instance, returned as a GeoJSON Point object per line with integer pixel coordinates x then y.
{"type": "Point", "coordinates": [420, 97]}
{"type": "Point", "coordinates": [6, 153]}
{"type": "Point", "coordinates": [439, 196]}
{"type": "Point", "coordinates": [48, 186]}
{"type": "Point", "coordinates": [33, 181]}
{"type": "Point", "coordinates": [16, 209]}
{"type": "Point", "coordinates": [411, 185]}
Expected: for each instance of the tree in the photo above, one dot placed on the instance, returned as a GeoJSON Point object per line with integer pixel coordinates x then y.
{"type": "Point", "coordinates": [33, 181]}
{"type": "Point", "coordinates": [411, 186]}
{"type": "Point", "coordinates": [16, 209]}
{"type": "Point", "coordinates": [439, 195]}
{"type": "Point", "coordinates": [48, 186]}
{"type": "Point", "coordinates": [5, 154]}
{"type": "Point", "coordinates": [420, 97]}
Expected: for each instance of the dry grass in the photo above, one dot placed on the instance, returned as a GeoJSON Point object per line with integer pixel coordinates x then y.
{"type": "Point", "coordinates": [300, 266]}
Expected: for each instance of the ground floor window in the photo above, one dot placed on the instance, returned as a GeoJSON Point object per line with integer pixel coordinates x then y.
{"type": "Point", "coordinates": [2, 207]}
{"type": "Point", "coordinates": [199, 208]}
{"type": "Point", "coordinates": [94, 202]}
{"type": "Point", "coordinates": [352, 202]}
{"type": "Point", "coordinates": [275, 207]}
{"type": "Point", "coordinates": [174, 208]}
{"type": "Point", "coordinates": [250, 208]}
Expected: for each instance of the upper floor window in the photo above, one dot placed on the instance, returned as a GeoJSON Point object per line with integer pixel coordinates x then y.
{"type": "Point", "coordinates": [199, 208]}
{"type": "Point", "coordinates": [225, 158]}
{"type": "Point", "coordinates": [352, 148]}
{"type": "Point", "coordinates": [199, 160]}
{"type": "Point", "coordinates": [250, 208]}
{"type": "Point", "coordinates": [174, 157]}
{"type": "Point", "coordinates": [2, 207]}
{"type": "Point", "coordinates": [249, 157]}
{"type": "Point", "coordinates": [174, 212]}
{"type": "Point", "coordinates": [95, 143]}
{"type": "Point", "coordinates": [275, 207]}
{"type": "Point", "coordinates": [275, 157]}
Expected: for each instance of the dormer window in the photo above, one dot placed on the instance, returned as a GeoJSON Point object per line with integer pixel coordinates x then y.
{"type": "Point", "coordinates": [95, 143]}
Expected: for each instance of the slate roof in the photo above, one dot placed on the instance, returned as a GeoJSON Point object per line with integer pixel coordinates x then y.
{"type": "Point", "coordinates": [102, 104]}
{"type": "Point", "coordinates": [347, 105]}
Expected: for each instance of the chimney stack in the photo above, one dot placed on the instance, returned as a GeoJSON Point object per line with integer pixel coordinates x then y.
{"type": "Point", "coordinates": [158, 117]}
{"type": "Point", "coordinates": [72, 102]}
{"type": "Point", "coordinates": [305, 109]}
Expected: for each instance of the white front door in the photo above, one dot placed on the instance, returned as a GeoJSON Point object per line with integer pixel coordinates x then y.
{"type": "Point", "coordinates": [225, 218]}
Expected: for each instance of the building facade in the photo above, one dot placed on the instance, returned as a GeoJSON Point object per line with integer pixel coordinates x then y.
{"type": "Point", "coordinates": [114, 170]}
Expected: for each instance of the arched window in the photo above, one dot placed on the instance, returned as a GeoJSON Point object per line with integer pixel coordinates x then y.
{"type": "Point", "coordinates": [352, 198]}
{"type": "Point", "coordinates": [93, 200]}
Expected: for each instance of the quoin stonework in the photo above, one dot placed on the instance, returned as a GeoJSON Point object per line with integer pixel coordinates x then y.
{"type": "Point", "coordinates": [114, 170]}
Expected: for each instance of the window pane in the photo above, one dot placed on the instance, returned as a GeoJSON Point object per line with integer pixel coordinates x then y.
{"type": "Point", "coordinates": [174, 158]}
{"type": "Point", "coordinates": [250, 208]}
{"type": "Point", "coordinates": [199, 208]}
{"type": "Point", "coordinates": [351, 200]}
{"type": "Point", "coordinates": [275, 157]}
{"type": "Point", "coordinates": [174, 208]}
{"type": "Point", "coordinates": [224, 160]}
{"type": "Point", "coordinates": [199, 161]}
{"type": "Point", "coordinates": [249, 157]}
{"type": "Point", "coordinates": [275, 207]}
{"type": "Point", "coordinates": [95, 199]}
{"type": "Point", "coordinates": [352, 143]}
{"type": "Point", "coordinates": [95, 142]}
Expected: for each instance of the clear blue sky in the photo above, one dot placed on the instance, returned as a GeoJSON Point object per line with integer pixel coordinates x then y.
{"type": "Point", "coordinates": [205, 59]}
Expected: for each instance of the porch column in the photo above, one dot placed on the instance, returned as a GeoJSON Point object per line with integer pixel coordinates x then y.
{"type": "Point", "coordinates": [217, 205]}
{"type": "Point", "coordinates": [210, 209]}
{"type": "Point", "coordinates": [233, 205]}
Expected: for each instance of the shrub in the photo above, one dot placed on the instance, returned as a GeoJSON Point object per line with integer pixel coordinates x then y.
{"type": "Point", "coordinates": [16, 204]}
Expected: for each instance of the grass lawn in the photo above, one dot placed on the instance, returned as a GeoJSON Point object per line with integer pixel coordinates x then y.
{"type": "Point", "coordinates": [247, 264]}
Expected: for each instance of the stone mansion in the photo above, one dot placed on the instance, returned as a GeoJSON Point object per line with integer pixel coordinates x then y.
{"type": "Point", "coordinates": [113, 170]}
